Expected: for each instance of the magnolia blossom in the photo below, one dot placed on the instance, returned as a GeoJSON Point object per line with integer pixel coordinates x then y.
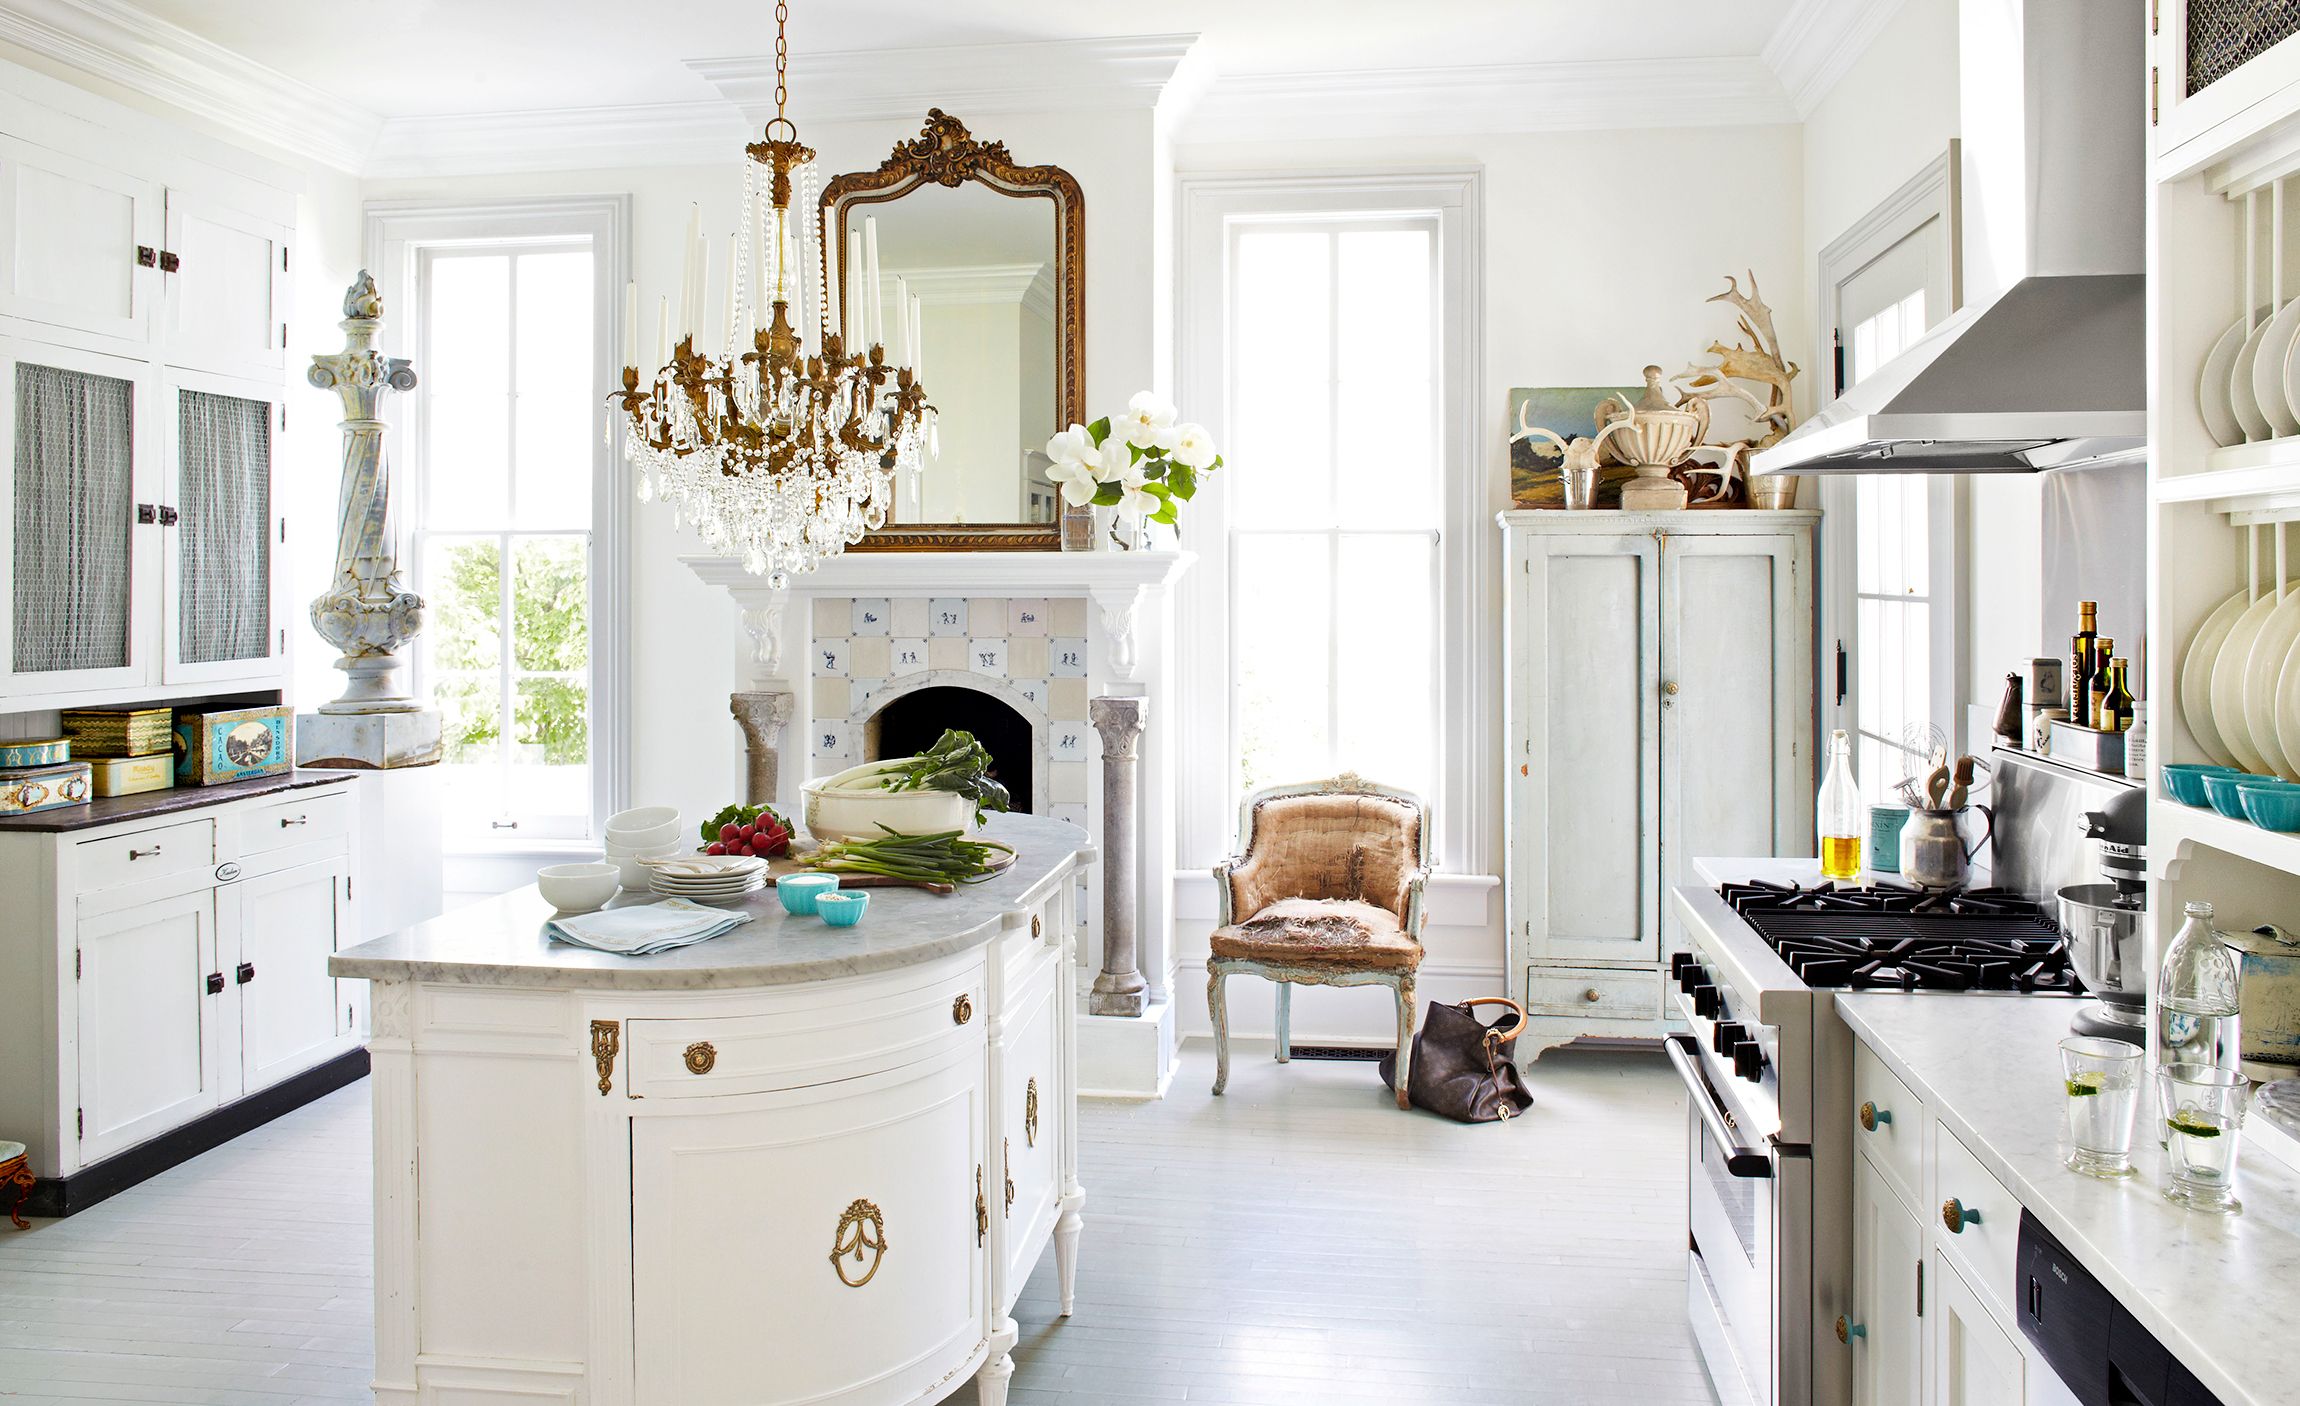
{"type": "Point", "coordinates": [1074, 466]}
{"type": "Point", "coordinates": [1193, 448]}
{"type": "Point", "coordinates": [1147, 424]}
{"type": "Point", "coordinates": [1114, 462]}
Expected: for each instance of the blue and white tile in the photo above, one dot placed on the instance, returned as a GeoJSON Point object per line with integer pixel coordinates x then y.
{"type": "Point", "coordinates": [1066, 783]}
{"type": "Point", "coordinates": [906, 655]}
{"type": "Point", "coordinates": [866, 690]}
{"type": "Point", "coordinates": [1033, 689]}
{"type": "Point", "coordinates": [1067, 659]}
{"type": "Point", "coordinates": [987, 656]}
{"type": "Point", "coordinates": [1070, 742]}
{"type": "Point", "coordinates": [908, 616]}
{"type": "Point", "coordinates": [833, 738]}
{"type": "Point", "coordinates": [1072, 812]}
{"type": "Point", "coordinates": [946, 616]}
{"type": "Point", "coordinates": [873, 616]}
{"type": "Point", "coordinates": [1026, 617]}
{"type": "Point", "coordinates": [831, 655]}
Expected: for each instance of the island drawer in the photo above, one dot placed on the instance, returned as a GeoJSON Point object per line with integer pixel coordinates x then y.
{"type": "Point", "coordinates": [1888, 1125]}
{"type": "Point", "coordinates": [145, 855]}
{"type": "Point", "coordinates": [809, 1043]}
{"type": "Point", "coordinates": [1977, 1222]}
{"type": "Point", "coordinates": [1607, 993]}
{"type": "Point", "coordinates": [298, 820]}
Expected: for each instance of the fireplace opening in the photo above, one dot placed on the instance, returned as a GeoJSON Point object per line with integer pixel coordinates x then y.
{"type": "Point", "coordinates": [914, 722]}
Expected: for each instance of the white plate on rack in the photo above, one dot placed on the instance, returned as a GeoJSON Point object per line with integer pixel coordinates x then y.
{"type": "Point", "coordinates": [2228, 683]}
{"type": "Point", "coordinates": [2212, 385]}
{"type": "Point", "coordinates": [2240, 395]}
{"type": "Point", "coordinates": [2263, 674]}
{"type": "Point", "coordinates": [2272, 370]}
{"type": "Point", "coordinates": [2196, 677]}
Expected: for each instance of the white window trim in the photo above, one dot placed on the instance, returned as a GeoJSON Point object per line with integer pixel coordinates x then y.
{"type": "Point", "coordinates": [397, 234]}
{"type": "Point", "coordinates": [1933, 194]}
{"type": "Point", "coordinates": [1466, 809]}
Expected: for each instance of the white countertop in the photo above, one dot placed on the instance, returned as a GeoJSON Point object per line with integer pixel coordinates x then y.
{"type": "Point", "coordinates": [500, 942]}
{"type": "Point", "coordinates": [2221, 1292]}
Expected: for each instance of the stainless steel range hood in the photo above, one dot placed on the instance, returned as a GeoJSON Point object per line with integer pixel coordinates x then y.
{"type": "Point", "coordinates": [2047, 367]}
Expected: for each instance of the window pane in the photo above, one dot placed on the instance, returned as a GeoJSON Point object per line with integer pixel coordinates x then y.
{"type": "Point", "coordinates": [470, 717]}
{"type": "Point", "coordinates": [467, 433]}
{"type": "Point", "coordinates": [462, 592]}
{"type": "Point", "coordinates": [550, 605]}
{"type": "Point", "coordinates": [1388, 659]}
{"type": "Point", "coordinates": [1284, 670]}
{"type": "Point", "coordinates": [551, 728]}
{"type": "Point", "coordinates": [1386, 455]}
{"type": "Point", "coordinates": [1282, 374]}
{"type": "Point", "coordinates": [556, 421]}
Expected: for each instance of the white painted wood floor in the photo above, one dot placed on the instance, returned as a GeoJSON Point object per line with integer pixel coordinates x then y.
{"type": "Point", "coordinates": [1296, 1241]}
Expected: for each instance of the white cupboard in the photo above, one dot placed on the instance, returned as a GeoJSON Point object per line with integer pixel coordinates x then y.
{"type": "Point", "coordinates": [167, 966]}
{"type": "Point", "coordinates": [1660, 707]}
{"type": "Point", "coordinates": [1881, 1324]}
{"type": "Point", "coordinates": [1976, 1362]}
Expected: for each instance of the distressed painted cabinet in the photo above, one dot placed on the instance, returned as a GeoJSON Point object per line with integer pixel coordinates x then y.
{"type": "Point", "coordinates": [1660, 708]}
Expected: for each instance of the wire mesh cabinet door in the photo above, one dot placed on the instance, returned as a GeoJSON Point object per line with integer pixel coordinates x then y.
{"type": "Point", "coordinates": [221, 617]}
{"type": "Point", "coordinates": [78, 522]}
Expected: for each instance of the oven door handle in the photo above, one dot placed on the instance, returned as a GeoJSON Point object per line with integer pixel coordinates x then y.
{"type": "Point", "coordinates": [1741, 1161]}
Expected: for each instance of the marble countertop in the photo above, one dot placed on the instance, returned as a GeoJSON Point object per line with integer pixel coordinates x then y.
{"type": "Point", "coordinates": [2221, 1292]}
{"type": "Point", "coordinates": [114, 810]}
{"type": "Point", "coordinates": [500, 942]}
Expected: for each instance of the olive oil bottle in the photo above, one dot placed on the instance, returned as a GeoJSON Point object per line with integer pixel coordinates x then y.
{"type": "Point", "coordinates": [1841, 817]}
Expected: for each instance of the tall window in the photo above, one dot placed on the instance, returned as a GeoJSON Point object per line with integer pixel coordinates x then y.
{"type": "Point", "coordinates": [1893, 615]}
{"type": "Point", "coordinates": [1333, 541]}
{"type": "Point", "coordinates": [504, 545]}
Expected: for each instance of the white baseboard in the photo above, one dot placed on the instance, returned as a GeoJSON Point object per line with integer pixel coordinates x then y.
{"type": "Point", "coordinates": [1127, 1057]}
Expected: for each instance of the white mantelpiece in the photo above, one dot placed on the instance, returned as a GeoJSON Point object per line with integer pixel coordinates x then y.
{"type": "Point", "coordinates": [1044, 632]}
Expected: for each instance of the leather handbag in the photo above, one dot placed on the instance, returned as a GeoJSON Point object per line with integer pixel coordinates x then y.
{"type": "Point", "coordinates": [1464, 1068]}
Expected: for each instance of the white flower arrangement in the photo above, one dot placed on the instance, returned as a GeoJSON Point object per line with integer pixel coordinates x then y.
{"type": "Point", "coordinates": [1140, 462]}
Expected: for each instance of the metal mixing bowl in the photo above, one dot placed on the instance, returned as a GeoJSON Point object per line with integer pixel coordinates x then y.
{"type": "Point", "coordinates": [2105, 944]}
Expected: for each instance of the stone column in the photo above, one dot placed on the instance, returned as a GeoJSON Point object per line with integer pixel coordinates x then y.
{"type": "Point", "coordinates": [1119, 989]}
{"type": "Point", "coordinates": [761, 717]}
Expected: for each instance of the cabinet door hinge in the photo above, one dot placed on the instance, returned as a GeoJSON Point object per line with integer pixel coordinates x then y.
{"type": "Point", "coordinates": [347, 888]}
{"type": "Point", "coordinates": [2153, 86]}
{"type": "Point", "coordinates": [283, 258]}
{"type": "Point", "coordinates": [283, 346]}
{"type": "Point", "coordinates": [283, 529]}
{"type": "Point", "coordinates": [283, 639]}
{"type": "Point", "coordinates": [79, 1122]}
{"type": "Point", "coordinates": [2153, 6]}
{"type": "Point", "coordinates": [75, 964]}
{"type": "Point", "coordinates": [1920, 1288]}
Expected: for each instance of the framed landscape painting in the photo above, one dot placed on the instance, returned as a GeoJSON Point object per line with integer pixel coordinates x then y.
{"type": "Point", "coordinates": [1569, 412]}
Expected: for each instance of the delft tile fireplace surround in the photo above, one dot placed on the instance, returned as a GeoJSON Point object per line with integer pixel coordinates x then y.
{"type": "Point", "coordinates": [1040, 634]}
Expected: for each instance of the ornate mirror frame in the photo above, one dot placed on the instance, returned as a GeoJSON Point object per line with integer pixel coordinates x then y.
{"type": "Point", "coordinates": [945, 153]}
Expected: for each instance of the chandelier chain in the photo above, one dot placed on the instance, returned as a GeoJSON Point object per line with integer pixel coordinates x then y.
{"type": "Point", "coordinates": [782, 58]}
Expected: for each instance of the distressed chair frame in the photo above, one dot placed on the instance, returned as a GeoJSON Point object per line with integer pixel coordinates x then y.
{"type": "Point", "coordinates": [1289, 974]}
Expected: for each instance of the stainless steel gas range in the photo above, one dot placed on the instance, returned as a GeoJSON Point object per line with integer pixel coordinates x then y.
{"type": "Point", "coordinates": [1767, 1066]}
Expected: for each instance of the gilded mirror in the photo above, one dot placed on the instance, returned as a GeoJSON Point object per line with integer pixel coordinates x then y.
{"type": "Point", "coordinates": [982, 285]}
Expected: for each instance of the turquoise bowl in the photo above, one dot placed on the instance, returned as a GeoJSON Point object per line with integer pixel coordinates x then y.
{"type": "Point", "coordinates": [2220, 788]}
{"type": "Point", "coordinates": [2272, 807]}
{"type": "Point", "coordinates": [841, 910]}
{"type": "Point", "coordinates": [2185, 780]}
{"type": "Point", "coordinates": [799, 892]}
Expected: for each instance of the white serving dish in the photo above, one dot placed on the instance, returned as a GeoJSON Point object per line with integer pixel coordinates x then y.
{"type": "Point", "coordinates": [578, 888]}
{"type": "Point", "coordinates": [858, 815]}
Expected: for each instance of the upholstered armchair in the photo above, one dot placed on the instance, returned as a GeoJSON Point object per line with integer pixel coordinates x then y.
{"type": "Point", "coordinates": [1327, 892]}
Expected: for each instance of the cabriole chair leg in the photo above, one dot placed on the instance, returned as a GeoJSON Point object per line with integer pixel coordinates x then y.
{"type": "Point", "coordinates": [1405, 990]}
{"type": "Point", "coordinates": [1218, 1008]}
{"type": "Point", "coordinates": [1285, 1022]}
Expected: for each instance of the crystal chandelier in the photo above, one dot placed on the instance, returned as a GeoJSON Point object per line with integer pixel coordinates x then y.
{"type": "Point", "coordinates": [784, 453]}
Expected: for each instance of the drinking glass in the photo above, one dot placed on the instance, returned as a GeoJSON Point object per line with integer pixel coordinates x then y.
{"type": "Point", "coordinates": [2203, 1118]}
{"type": "Point", "coordinates": [2103, 1082]}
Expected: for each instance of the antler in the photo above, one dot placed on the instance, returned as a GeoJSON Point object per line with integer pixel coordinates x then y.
{"type": "Point", "coordinates": [1526, 429]}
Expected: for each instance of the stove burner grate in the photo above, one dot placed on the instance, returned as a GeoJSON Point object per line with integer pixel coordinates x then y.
{"type": "Point", "coordinates": [1907, 940]}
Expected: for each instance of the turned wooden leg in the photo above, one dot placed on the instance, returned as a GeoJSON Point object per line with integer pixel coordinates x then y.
{"type": "Point", "coordinates": [990, 1383]}
{"type": "Point", "coordinates": [1285, 1022]}
{"type": "Point", "coordinates": [1066, 1247]}
{"type": "Point", "coordinates": [1405, 1040]}
{"type": "Point", "coordinates": [1218, 1008]}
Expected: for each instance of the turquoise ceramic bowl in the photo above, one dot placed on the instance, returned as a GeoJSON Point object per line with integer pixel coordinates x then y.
{"type": "Point", "coordinates": [2220, 788]}
{"type": "Point", "coordinates": [2185, 780]}
{"type": "Point", "coordinates": [800, 891]}
{"type": "Point", "coordinates": [841, 910]}
{"type": "Point", "coordinates": [2273, 806]}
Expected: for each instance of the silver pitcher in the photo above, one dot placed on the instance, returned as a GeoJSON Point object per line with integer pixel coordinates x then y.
{"type": "Point", "coordinates": [1934, 854]}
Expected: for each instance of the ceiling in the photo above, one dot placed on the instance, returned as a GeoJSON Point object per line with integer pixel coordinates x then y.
{"type": "Point", "coordinates": [429, 58]}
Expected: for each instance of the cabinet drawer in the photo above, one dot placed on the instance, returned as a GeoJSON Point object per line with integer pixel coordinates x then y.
{"type": "Point", "coordinates": [145, 855]}
{"type": "Point", "coordinates": [1606, 993]}
{"type": "Point", "coordinates": [1986, 1249]}
{"type": "Point", "coordinates": [297, 820]}
{"type": "Point", "coordinates": [1896, 1141]}
{"type": "Point", "coordinates": [711, 1057]}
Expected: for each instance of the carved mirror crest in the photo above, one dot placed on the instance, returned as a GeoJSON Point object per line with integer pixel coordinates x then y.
{"type": "Point", "coordinates": [983, 266]}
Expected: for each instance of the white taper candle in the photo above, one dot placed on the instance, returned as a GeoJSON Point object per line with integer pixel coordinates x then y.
{"type": "Point", "coordinates": [689, 272]}
{"type": "Point", "coordinates": [631, 323]}
{"type": "Point", "coordinates": [662, 333]}
{"type": "Point", "coordinates": [854, 294]}
{"type": "Point", "coordinates": [870, 264]}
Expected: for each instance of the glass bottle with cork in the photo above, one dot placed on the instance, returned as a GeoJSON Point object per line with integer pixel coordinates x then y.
{"type": "Point", "coordinates": [2115, 709]}
{"type": "Point", "coordinates": [2097, 714]}
{"type": "Point", "coordinates": [1840, 816]}
{"type": "Point", "coordinates": [2083, 662]}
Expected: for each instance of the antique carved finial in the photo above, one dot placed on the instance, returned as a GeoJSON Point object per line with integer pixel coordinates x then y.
{"type": "Point", "coordinates": [361, 299]}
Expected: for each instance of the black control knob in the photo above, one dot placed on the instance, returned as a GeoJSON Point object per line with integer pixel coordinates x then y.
{"type": "Point", "coordinates": [1727, 1035]}
{"type": "Point", "coordinates": [1749, 1060]}
{"type": "Point", "coordinates": [1679, 961]}
{"type": "Point", "coordinates": [1705, 1002]}
{"type": "Point", "coordinates": [1691, 977]}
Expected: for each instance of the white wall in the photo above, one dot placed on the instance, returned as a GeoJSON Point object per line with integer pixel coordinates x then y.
{"type": "Point", "coordinates": [974, 351]}
{"type": "Point", "coordinates": [1580, 289]}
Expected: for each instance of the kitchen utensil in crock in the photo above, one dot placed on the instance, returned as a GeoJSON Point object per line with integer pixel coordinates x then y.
{"type": "Point", "coordinates": [1934, 854]}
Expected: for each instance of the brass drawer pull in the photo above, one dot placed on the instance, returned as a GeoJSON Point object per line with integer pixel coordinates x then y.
{"type": "Point", "coordinates": [1593, 995]}
{"type": "Point", "coordinates": [1030, 1114]}
{"type": "Point", "coordinates": [1871, 1116]}
{"type": "Point", "coordinates": [143, 853]}
{"type": "Point", "coordinates": [1956, 1215]}
{"type": "Point", "coordinates": [962, 1009]}
{"type": "Point", "coordinates": [1006, 1156]}
{"type": "Point", "coordinates": [1034, 925]}
{"type": "Point", "coordinates": [1847, 1331]}
{"type": "Point", "coordinates": [606, 1043]}
{"type": "Point", "coordinates": [861, 1228]}
{"type": "Point", "coordinates": [701, 1056]}
{"type": "Point", "coordinates": [981, 1210]}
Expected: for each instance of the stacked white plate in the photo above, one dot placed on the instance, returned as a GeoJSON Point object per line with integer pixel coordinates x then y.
{"type": "Point", "coordinates": [2239, 682]}
{"type": "Point", "coordinates": [708, 878]}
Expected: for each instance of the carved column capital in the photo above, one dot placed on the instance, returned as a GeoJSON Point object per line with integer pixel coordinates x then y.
{"type": "Point", "coordinates": [1119, 989]}
{"type": "Point", "coordinates": [1119, 722]}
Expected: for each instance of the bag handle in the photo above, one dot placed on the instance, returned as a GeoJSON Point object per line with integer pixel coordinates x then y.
{"type": "Point", "coordinates": [1493, 1033]}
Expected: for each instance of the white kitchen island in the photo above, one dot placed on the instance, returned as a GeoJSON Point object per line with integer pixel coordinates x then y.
{"type": "Point", "coordinates": [795, 1163]}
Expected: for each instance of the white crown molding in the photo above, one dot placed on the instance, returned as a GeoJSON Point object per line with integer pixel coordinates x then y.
{"type": "Point", "coordinates": [118, 43]}
{"type": "Point", "coordinates": [1819, 40]}
{"type": "Point", "coordinates": [975, 283]}
{"type": "Point", "coordinates": [1534, 97]}
{"type": "Point", "coordinates": [558, 139]}
{"type": "Point", "coordinates": [1128, 71]}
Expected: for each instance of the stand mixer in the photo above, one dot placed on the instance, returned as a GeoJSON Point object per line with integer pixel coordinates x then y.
{"type": "Point", "coordinates": [2104, 922]}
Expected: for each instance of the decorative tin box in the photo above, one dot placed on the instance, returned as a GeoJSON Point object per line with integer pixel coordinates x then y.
{"type": "Point", "coordinates": [38, 751]}
{"type": "Point", "coordinates": [44, 788]}
{"type": "Point", "coordinates": [119, 732]}
{"type": "Point", "coordinates": [213, 748]}
{"type": "Point", "coordinates": [126, 776]}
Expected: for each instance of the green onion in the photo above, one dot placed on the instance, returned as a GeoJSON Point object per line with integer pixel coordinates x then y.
{"type": "Point", "coordinates": [944, 858]}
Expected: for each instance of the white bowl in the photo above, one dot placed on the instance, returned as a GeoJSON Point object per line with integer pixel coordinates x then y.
{"type": "Point", "coordinates": [643, 825]}
{"type": "Point", "coordinates": [577, 888]}
{"type": "Point", "coordinates": [626, 849]}
{"type": "Point", "coordinates": [649, 839]}
{"type": "Point", "coordinates": [633, 872]}
{"type": "Point", "coordinates": [857, 815]}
